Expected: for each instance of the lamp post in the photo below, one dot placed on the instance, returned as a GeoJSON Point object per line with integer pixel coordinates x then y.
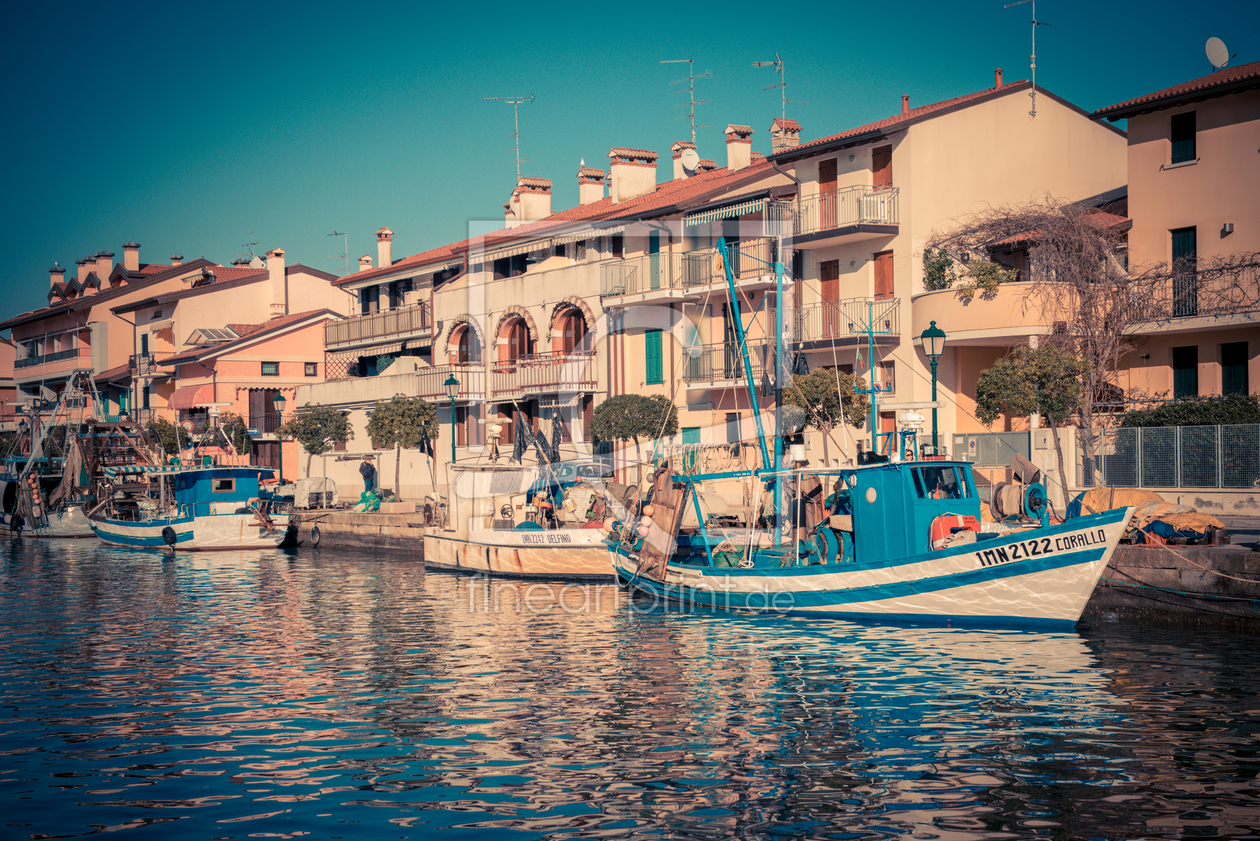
{"type": "Point", "coordinates": [932, 343]}
{"type": "Point", "coordinates": [278, 401]}
{"type": "Point", "coordinates": [452, 389]}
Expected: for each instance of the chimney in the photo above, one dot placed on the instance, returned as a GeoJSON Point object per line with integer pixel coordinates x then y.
{"type": "Point", "coordinates": [738, 147]}
{"type": "Point", "coordinates": [131, 256]}
{"type": "Point", "coordinates": [509, 215]}
{"type": "Point", "coordinates": [365, 263]}
{"type": "Point", "coordinates": [85, 264]}
{"type": "Point", "coordinates": [384, 246]}
{"type": "Point", "coordinates": [56, 275]}
{"type": "Point", "coordinates": [997, 78]}
{"type": "Point", "coordinates": [706, 165]}
{"type": "Point", "coordinates": [677, 150]}
{"type": "Point", "coordinates": [632, 173]}
{"type": "Point", "coordinates": [279, 287]}
{"type": "Point", "coordinates": [784, 134]}
{"type": "Point", "coordinates": [177, 259]}
{"type": "Point", "coordinates": [104, 264]}
{"type": "Point", "coordinates": [590, 184]}
{"type": "Point", "coordinates": [531, 200]}
{"type": "Point", "coordinates": [905, 103]}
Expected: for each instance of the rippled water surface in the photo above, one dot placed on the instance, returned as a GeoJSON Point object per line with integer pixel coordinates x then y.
{"type": "Point", "coordinates": [339, 695]}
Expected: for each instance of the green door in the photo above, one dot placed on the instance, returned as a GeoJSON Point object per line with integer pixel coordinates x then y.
{"type": "Point", "coordinates": [654, 259]}
{"type": "Point", "coordinates": [690, 435]}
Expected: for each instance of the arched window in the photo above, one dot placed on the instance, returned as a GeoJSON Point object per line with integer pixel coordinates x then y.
{"type": "Point", "coordinates": [572, 327]}
{"type": "Point", "coordinates": [465, 346]}
{"type": "Point", "coordinates": [519, 343]}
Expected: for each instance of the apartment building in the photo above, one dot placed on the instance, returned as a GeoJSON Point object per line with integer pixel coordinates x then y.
{"type": "Point", "coordinates": [1193, 181]}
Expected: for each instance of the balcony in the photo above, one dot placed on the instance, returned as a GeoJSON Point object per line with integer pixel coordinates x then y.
{"type": "Point", "coordinates": [544, 373]}
{"type": "Point", "coordinates": [1213, 294]}
{"type": "Point", "coordinates": [845, 322]}
{"type": "Point", "coordinates": [414, 323]}
{"type": "Point", "coordinates": [431, 382]}
{"type": "Point", "coordinates": [142, 364]}
{"type": "Point", "coordinates": [723, 366]}
{"type": "Point", "coordinates": [56, 362]}
{"type": "Point", "coordinates": [678, 276]}
{"type": "Point", "coordinates": [850, 214]}
{"type": "Point", "coordinates": [266, 423]}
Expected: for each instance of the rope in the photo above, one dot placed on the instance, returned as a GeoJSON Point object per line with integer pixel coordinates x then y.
{"type": "Point", "coordinates": [1211, 597]}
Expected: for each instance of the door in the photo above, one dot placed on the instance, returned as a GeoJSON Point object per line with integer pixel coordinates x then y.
{"type": "Point", "coordinates": [829, 276]}
{"type": "Point", "coordinates": [881, 167]}
{"type": "Point", "coordinates": [884, 274]}
{"type": "Point", "coordinates": [827, 193]}
{"type": "Point", "coordinates": [691, 444]}
{"type": "Point", "coordinates": [1185, 280]}
{"type": "Point", "coordinates": [654, 259]}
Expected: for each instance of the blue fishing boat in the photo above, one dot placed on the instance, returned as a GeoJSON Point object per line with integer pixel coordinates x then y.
{"type": "Point", "coordinates": [891, 541]}
{"type": "Point", "coordinates": [176, 506]}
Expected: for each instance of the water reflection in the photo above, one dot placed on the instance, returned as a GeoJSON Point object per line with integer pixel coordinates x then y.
{"type": "Point", "coordinates": [278, 693]}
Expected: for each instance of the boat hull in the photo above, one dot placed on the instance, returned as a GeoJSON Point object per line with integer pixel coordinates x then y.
{"type": "Point", "coordinates": [217, 531]}
{"type": "Point", "coordinates": [1037, 577]}
{"type": "Point", "coordinates": [69, 523]}
{"type": "Point", "coordinates": [563, 554]}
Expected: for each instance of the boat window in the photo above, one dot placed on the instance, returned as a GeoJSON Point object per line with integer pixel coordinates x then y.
{"type": "Point", "coordinates": [224, 485]}
{"type": "Point", "coordinates": [594, 471]}
{"type": "Point", "coordinates": [940, 483]}
{"type": "Point", "coordinates": [918, 483]}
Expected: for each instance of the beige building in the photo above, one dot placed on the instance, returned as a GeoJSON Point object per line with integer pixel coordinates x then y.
{"type": "Point", "coordinates": [1193, 185]}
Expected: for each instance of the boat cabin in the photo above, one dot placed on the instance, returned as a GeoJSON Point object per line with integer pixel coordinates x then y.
{"type": "Point", "coordinates": [217, 490]}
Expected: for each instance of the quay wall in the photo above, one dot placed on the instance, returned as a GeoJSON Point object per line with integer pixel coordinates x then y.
{"type": "Point", "coordinates": [401, 533]}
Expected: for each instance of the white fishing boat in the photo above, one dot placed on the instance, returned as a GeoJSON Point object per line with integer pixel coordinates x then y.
{"type": "Point", "coordinates": [896, 541]}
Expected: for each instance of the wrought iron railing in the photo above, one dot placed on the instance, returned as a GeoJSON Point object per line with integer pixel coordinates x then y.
{"type": "Point", "coordinates": [847, 207]}
{"type": "Point", "coordinates": [266, 423]}
{"type": "Point", "coordinates": [414, 321]}
{"type": "Point", "coordinates": [725, 363]}
{"type": "Point", "coordinates": [850, 317]}
{"type": "Point", "coordinates": [1207, 293]}
{"type": "Point", "coordinates": [142, 364]}
{"type": "Point", "coordinates": [682, 271]}
{"type": "Point", "coordinates": [431, 382]}
{"type": "Point", "coordinates": [545, 373]}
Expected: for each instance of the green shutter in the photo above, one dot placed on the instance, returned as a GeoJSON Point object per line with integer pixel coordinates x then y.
{"type": "Point", "coordinates": [652, 347]}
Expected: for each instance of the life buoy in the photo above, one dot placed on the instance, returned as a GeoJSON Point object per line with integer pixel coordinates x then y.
{"type": "Point", "coordinates": [168, 536]}
{"type": "Point", "coordinates": [943, 527]}
{"type": "Point", "coordinates": [314, 537]}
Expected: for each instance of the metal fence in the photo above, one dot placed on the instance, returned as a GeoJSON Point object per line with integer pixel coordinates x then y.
{"type": "Point", "coordinates": [1170, 457]}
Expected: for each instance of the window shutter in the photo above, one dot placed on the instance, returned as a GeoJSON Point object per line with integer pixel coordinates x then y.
{"type": "Point", "coordinates": [653, 347]}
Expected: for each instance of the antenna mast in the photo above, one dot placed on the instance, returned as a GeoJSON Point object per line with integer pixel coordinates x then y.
{"type": "Point", "coordinates": [1035, 24]}
{"type": "Point", "coordinates": [250, 245]}
{"type": "Point", "coordinates": [515, 102]}
{"type": "Point", "coordinates": [691, 90]}
{"type": "Point", "coordinates": [345, 249]}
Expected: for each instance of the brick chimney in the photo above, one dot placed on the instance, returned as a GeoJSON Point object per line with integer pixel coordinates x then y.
{"type": "Point", "coordinates": [277, 282]}
{"type": "Point", "coordinates": [738, 147]}
{"type": "Point", "coordinates": [177, 259]}
{"type": "Point", "coordinates": [997, 78]}
{"type": "Point", "coordinates": [706, 165]}
{"type": "Point", "coordinates": [590, 184]}
{"type": "Point", "coordinates": [56, 275]}
{"type": "Point", "coordinates": [676, 150]}
{"type": "Point", "coordinates": [632, 173]}
{"type": "Point", "coordinates": [85, 265]}
{"type": "Point", "coordinates": [531, 200]}
{"type": "Point", "coordinates": [365, 263]}
{"type": "Point", "coordinates": [384, 247]}
{"type": "Point", "coordinates": [104, 264]}
{"type": "Point", "coordinates": [131, 256]}
{"type": "Point", "coordinates": [784, 134]}
{"type": "Point", "coordinates": [905, 103]}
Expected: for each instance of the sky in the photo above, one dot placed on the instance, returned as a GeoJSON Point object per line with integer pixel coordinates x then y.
{"type": "Point", "coordinates": [198, 129]}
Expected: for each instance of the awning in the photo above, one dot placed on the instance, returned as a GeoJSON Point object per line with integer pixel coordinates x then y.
{"type": "Point", "coordinates": [546, 243]}
{"type": "Point", "coordinates": [191, 395]}
{"type": "Point", "coordinates": [588, 233]}
{"type": "Point", "coordinates": [169, 324]}
{"type": "Point", "coordinates": [729, 212]}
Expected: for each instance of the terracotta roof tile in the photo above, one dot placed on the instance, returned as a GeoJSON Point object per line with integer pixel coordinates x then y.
{"type": "Point", "coordinates": [1242, 77]}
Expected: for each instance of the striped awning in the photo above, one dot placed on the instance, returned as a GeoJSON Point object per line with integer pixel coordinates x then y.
{"type": "Point", "coordinates": [353, 354]}
{"type": "Point", "coordinates": [547, 243]}
{"type": "Point", "coordinates": [589, 233]}
{"type": "Point", "coordinates": [729, 212]}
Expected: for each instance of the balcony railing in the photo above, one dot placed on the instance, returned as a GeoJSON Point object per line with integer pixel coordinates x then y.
{"type": "Point", "coordinates": [840, 319]}
{"type": "Point", "coordinates": [724, 363]}
{"type": "Point", "coordinates": [266, 423]}
{"type": "Point", "coordinates": [1192, 294]}
{"type": "Point", "coordinates": [55, 356]}
{"type": "Point", "coordinates": [845, 208]}
{"type": "Point", "coordinates": [405, 322]}
{"type": "Point", "coordinates": [545, 373]}
{"type": "Point", "coordinates": [431, 382]}
{"type": "Point", "coordinates": [142, 364]}
{"type": "Point", "coordinates": [682, 271]}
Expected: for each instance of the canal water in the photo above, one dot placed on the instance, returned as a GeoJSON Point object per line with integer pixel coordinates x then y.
{"type": "Point", "coordinates": [279, 694]}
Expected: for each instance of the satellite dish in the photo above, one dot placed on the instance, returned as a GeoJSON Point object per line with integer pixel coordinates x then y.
{"type": "Point", "coordinates": [1217, 53]}
{"type": "Point", "coordinates": [690, 159]}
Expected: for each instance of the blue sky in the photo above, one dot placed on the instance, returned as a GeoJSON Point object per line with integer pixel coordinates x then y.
{"type": "Point", "coordinates": [186, 127]}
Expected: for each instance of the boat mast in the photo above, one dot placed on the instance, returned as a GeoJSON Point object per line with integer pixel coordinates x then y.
{"type": "Point", "coordinates": [743, 350]}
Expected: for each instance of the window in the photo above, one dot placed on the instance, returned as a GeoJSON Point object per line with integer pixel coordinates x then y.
{"type": "Point", "coordinates": [887, 378]}
{"type": "Point", "coordinates": [653, 346]}
{"type": "Point", "coordinates": [144, 344]}
{"type": "Point", "coordinates": [369, 300]}
{"type": "Point", "coordinates": [1185, 263]}
{"type": "Point", "coordinates": [881, 167]}
{"type": "Point", "coordinates": [1234, 368]}
{"type": "Point", "coordinates": [157, 313]}
{"type": "Point", "coordinates": [618, 246]}
{"type": "Point", "coordinates": [224, 485]}
{"type": "Point", "coordinates": [312, 369]}
{"type": "Point", "coordinates": [1183, 138]}
{"type": "Point", "coordinates": [560, 250]}
{"type": "Point", "coordinates": [339, 446]}
{"type": "Point", "coordinates": [1185, 365]}
{"type": "Point", "coordinates": [271, 369]}
{"type": "Point", "coordinates": [732, 427]}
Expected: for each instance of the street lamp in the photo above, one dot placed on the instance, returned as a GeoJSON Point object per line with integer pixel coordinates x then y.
{"type": "Point", "coordinates": [932, 343]}
{"type": "Point", "coordinates": [278, 401]}
{"type": "Point", "coordinates": [452, 389]}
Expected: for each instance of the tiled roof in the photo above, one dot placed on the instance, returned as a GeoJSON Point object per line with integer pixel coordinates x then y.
{"type": "Point", "coordinates": [531, 181]}
{"type": "Point", "coordinates": [619, 152]}
{"type": "Point", "coordinates": [114, 374]}
{"type": "Point", "coordinates": [907, 117]}
{"type": "Point", "coordinates": [786, 125]}
{"type": "Point", "coordinates": [1228, 80]}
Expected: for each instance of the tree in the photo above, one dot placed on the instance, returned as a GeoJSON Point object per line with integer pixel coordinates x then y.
{"type": "Point", "coordinates": [629, 417]}
{"type": "Point", "coordinates": [317, 429]}
{"type": "Point", "coordinates": [1198, 411]}
{"type": "Point", "coordinates": [828, 399]}
{"type": "Point", "coordinates": [402, 422]}
{"type": "Point", "coordinates": [1046, 381]}
{"type": "Point", "coordinates": [171, 436]}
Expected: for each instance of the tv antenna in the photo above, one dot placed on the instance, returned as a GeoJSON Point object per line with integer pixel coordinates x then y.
{"type": "Point", "coordinates": [515, 102]}
{"type": "Point", "coordinates": [690, 89]}
{"type": "Point", "coordinates": [1035, 24]}
{"type": "Point", "coordinates": [250, 245]}
{"type": "Point", "coordinates": [1217, 53]}
{"type": "Point", "coordinates": [779, 65]}
{"type": "Point", "coordinates": [345, 246]}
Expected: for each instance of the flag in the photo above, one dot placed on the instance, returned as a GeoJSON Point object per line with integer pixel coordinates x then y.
{"type": "Point", "coordinates": [518, 443]}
